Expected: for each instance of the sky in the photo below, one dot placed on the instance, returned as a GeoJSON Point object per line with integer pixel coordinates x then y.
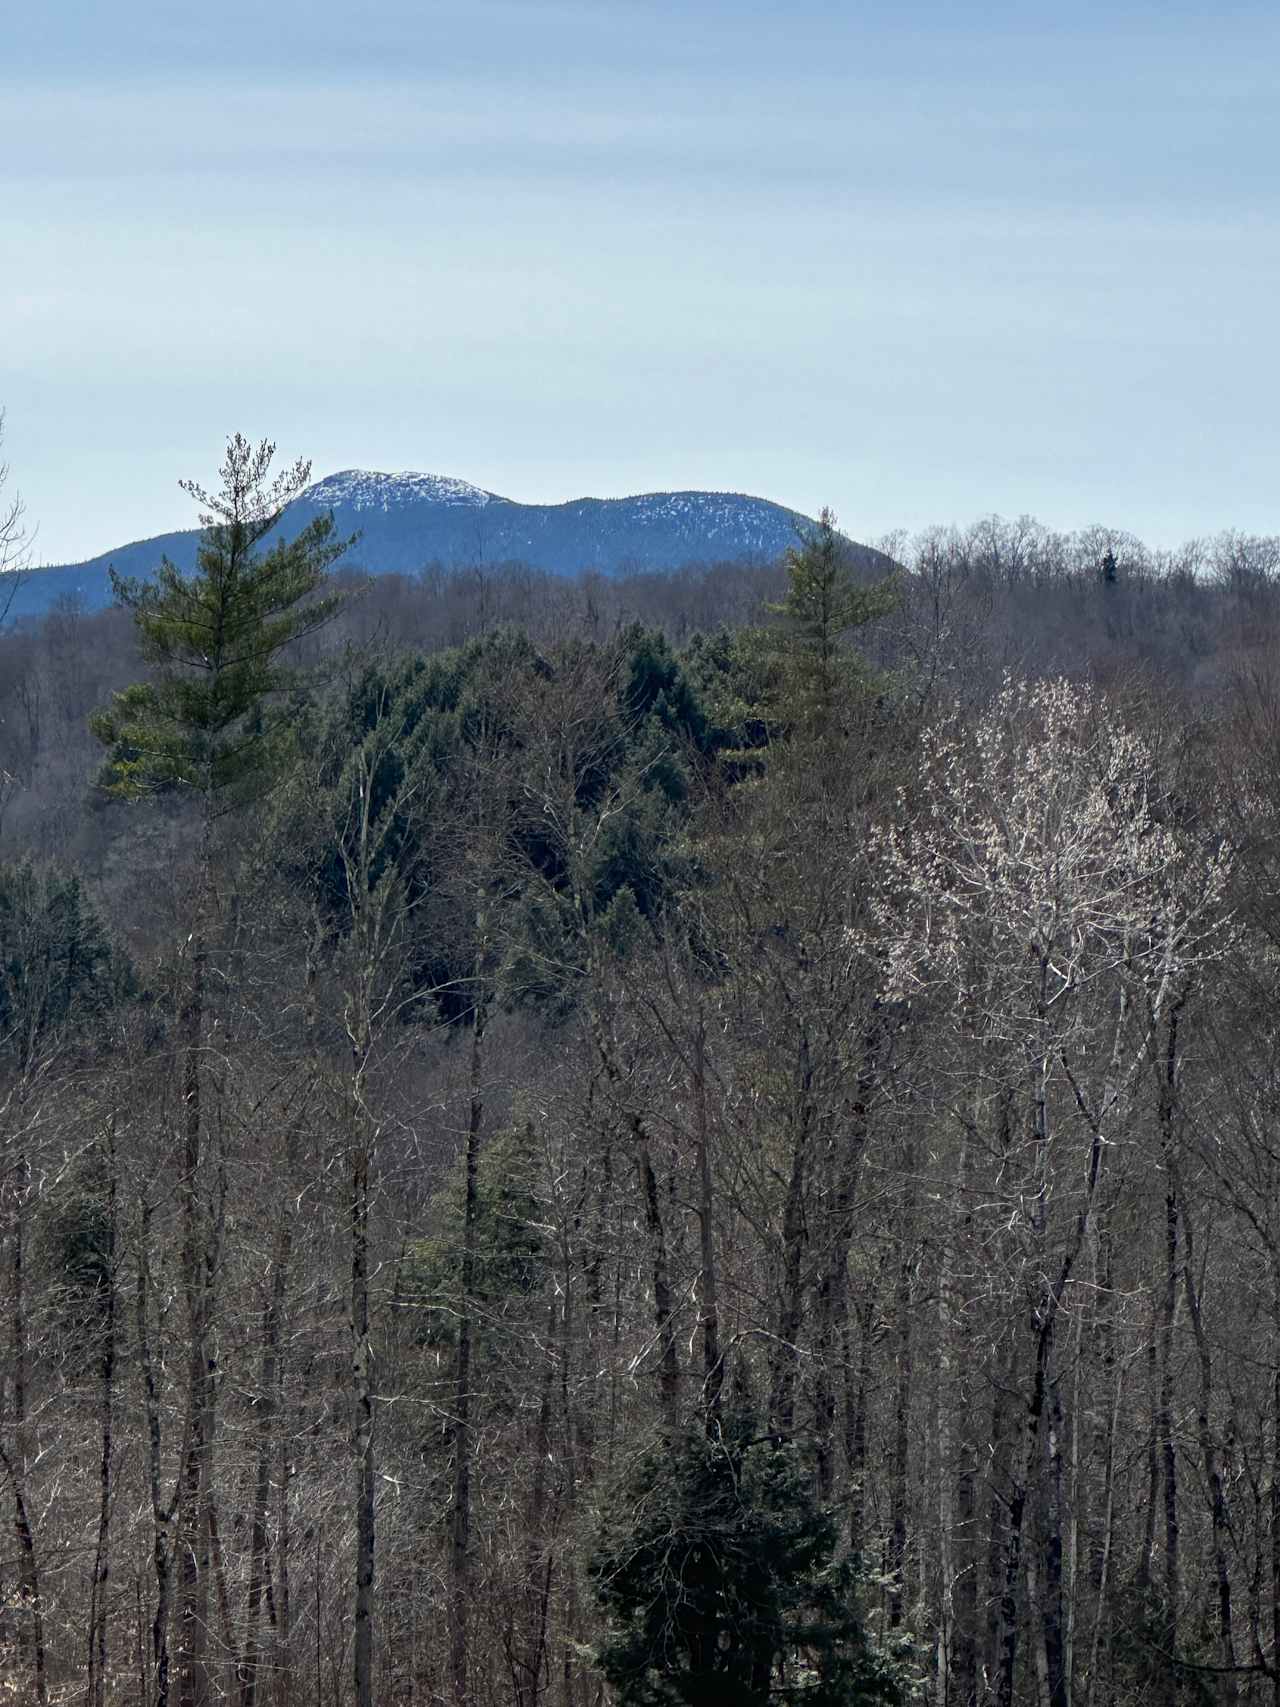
{"type": "Point", "coordinates": [918, 262]}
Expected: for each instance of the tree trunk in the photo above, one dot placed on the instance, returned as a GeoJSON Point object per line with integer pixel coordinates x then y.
{"type": "Point", "coordinates": [663, 1302]}
{"type": "Point", "coordinates": [28, 1572]}
{"type": "Point", "coordinates": [363, 1402]}
{"type": "Point", "coordinates": [1016, 1511]}
{"type": "Point", "coordinates": [460, 1587]}
{"type": "Point", "coordinates": [267, 1404]}
{"type": "Point", "coordinates": [162, 1514]}
{"type": "Point", "coordinates": [899, 1485]}
{"type": "Point", "coordinates": [15, 1459]}
{"type": "Point", "coordinates": [1212, 1475]}
{"type": "Point", "coordinates": [1053, 1621]}
{"type": "Point", "coordinates": [97, 1655]}
{"type": "Point", "coordinates": [709, 1310]}
{"type": "Point", "coordinates": [1167, 1443]}
{"type": "Point", "coordinates": [795, 1239]}
{"type": "Point", "coordinates": [193, 1528]}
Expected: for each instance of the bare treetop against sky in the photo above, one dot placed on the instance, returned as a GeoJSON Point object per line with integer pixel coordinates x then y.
{"type": "Point", "coordinates": [915, 261]}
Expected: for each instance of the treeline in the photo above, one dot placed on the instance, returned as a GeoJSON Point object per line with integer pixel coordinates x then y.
{"type": "Point", "coordinates": [700, 1138]}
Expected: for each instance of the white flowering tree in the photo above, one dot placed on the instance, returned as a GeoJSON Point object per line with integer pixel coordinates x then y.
{"type": "Point", "coordinates": [1044, 908]}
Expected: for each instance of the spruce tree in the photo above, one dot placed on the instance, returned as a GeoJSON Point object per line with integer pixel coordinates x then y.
{"type": "Point", "coordinates": [721, 1580]}
{"type": "Point", "coordinates": [824, 602]}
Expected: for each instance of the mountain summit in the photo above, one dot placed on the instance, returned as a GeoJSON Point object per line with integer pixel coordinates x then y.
{"type": "Point", "coordinates": [406, 521]}
{"type": "Point", "coordinates": [363, 489]}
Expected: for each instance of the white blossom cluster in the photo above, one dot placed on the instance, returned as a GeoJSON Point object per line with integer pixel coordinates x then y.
{"type": "Point", "coordinates": [1038, 855]}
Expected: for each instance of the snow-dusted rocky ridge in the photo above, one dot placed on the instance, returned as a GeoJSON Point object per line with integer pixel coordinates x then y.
{"type": "Point", "coordinates": [404, 522]}
{"type": "Point", "coordinates": [363, 489]}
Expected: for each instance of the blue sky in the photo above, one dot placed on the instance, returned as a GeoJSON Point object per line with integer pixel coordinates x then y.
{"type": "Point", "coordinates": [919, 262]}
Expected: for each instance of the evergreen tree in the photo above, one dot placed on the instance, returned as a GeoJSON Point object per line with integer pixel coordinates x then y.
{"type": "Point", "coordinates": [209, 719]}
{"type": "Point", "coordinates": [208, 722]}
{"type": "Point", "coordinates": [718, 1574]}
{"type": "Point", "coordinates": [58, 969]}
{"type": "Point", "coordinates": [823, 604]}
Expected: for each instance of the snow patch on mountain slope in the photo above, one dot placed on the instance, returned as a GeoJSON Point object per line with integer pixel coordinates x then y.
{"type": "Point", "coordinates": [365, 489]}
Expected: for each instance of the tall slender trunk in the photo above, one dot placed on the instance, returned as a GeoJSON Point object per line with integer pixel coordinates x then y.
{"type": "Point", "coordinates": [858, 1379]}
{"type": "Point", "coordinates": [193, 1530]}
{"type": "Point", "coordinates": [266, 1405]}
{"type": "Point", "coordinates": [999, 1480]}
{"type": "Point", "coordinates": [163, 1538]}
{"type": "Point", "coordinates": [959, 1502]}
{"type": "Point", "coordinates": [28, 1571]}
{"type": "Point", "coordinates": [14, 1459]}
{"type": "Point", "coordinates": [1169, 1627]}
{"type": "Point", "coordinates": [709, 1309]}
{"type": "Point", "coordinates": [1108, 1538]}
{"type": "Point", "coordinates": [664, 1309]}
{"type": "Point", "coordinates": [899, 1485]}
{"type": "Point", "coordinates": [1112, 1376]}
{"type": "Point", "coordinates": [833, 1331]}
{"type": "Point", "coordinates": [530, 1646]}
{"type": "Point", "coordinates": [795, 1240]}
{"type": "Point", "coordinates": [1071, 1538]}
{"type": "Point", "coordinates": [460, 1584]}
{"type": "Point", "coordinates": [1016, 1510]}
{"type": "Point", "coordinates": [282, 1645]}
{"type": "Point", "coordinates": [655, 1227]}
{"type": "Point", "coordinates": [1052, 1617]}
{"type": "Point", "coordinates": [1212, 1473]}
{"type": "Point", "coordinates": [95, 1692]}
{"type": "Point", "coordinates": [362, 1374]}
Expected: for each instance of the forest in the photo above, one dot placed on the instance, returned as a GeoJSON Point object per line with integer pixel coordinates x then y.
{"type": "Point", "coordinates": [704, 1138]}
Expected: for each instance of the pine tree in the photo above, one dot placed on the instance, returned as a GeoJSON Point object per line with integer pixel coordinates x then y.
{"type": "Point", "coordinates": [209, 723]}
{"type": "Point", "coordinates": [209, 720]}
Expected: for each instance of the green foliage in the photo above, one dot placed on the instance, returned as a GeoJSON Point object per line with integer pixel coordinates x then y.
{"type": "Point", "coordinates": [1140, 1658]}
{"type": "Point", "coordinates": [736, 679]}
{"type": "Point", "coordinates": [824, 603]}
{"type": "Point", "coordinates": [453, 748]}
{"type": "Point", "coordinates": [430, 740]}
{"type": "Point", "coordinates": [59, 973]}
{"type": "Point", "coordinates": [658, 687]}
{"type": "Point", "coordinates": [508, 1243]}
{"type": "Point", "coordinates": [76, 1238]}
{"type": "Point", "coordinates": [717, 1572]}
{"type": "Point", "coordinates": [208, 719]}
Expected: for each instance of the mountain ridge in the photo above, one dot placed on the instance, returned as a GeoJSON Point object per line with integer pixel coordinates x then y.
{"type": "Point", "coordinates": [409, 520]}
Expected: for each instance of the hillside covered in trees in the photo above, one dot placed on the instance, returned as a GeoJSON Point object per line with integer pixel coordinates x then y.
{"type": "Point", "coordinates": [687, 1138]}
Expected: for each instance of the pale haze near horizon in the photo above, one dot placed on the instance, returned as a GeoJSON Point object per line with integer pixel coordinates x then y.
{"type": "Point", "coordinates": [919, 263]}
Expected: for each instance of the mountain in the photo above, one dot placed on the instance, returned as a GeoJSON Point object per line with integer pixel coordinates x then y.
{"type": "Point", "coordinates": [406, 521]}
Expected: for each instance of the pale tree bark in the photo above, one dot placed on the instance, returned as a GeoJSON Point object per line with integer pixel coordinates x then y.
{"type": "Point", "coordinates": [199, 1270]}
{"type": "Point", "coordinates": [163, 1512]}
{"type": "Point", "coordinates": [363, 1401]}
{"type": "Point", "coordinates": [460, 1574]}
{"type": "Point", "coordinates": [904, 1312]}
{"type": "Point", "coordinates": [15, 1430]}
{"type": "Point", "coordinates": [96, 1671]}
{"type": "Point", "coordinates": [267, 1404]}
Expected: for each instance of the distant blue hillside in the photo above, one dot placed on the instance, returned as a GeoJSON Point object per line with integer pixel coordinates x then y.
{"type": "Point", "coordinates": [406, 521]}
